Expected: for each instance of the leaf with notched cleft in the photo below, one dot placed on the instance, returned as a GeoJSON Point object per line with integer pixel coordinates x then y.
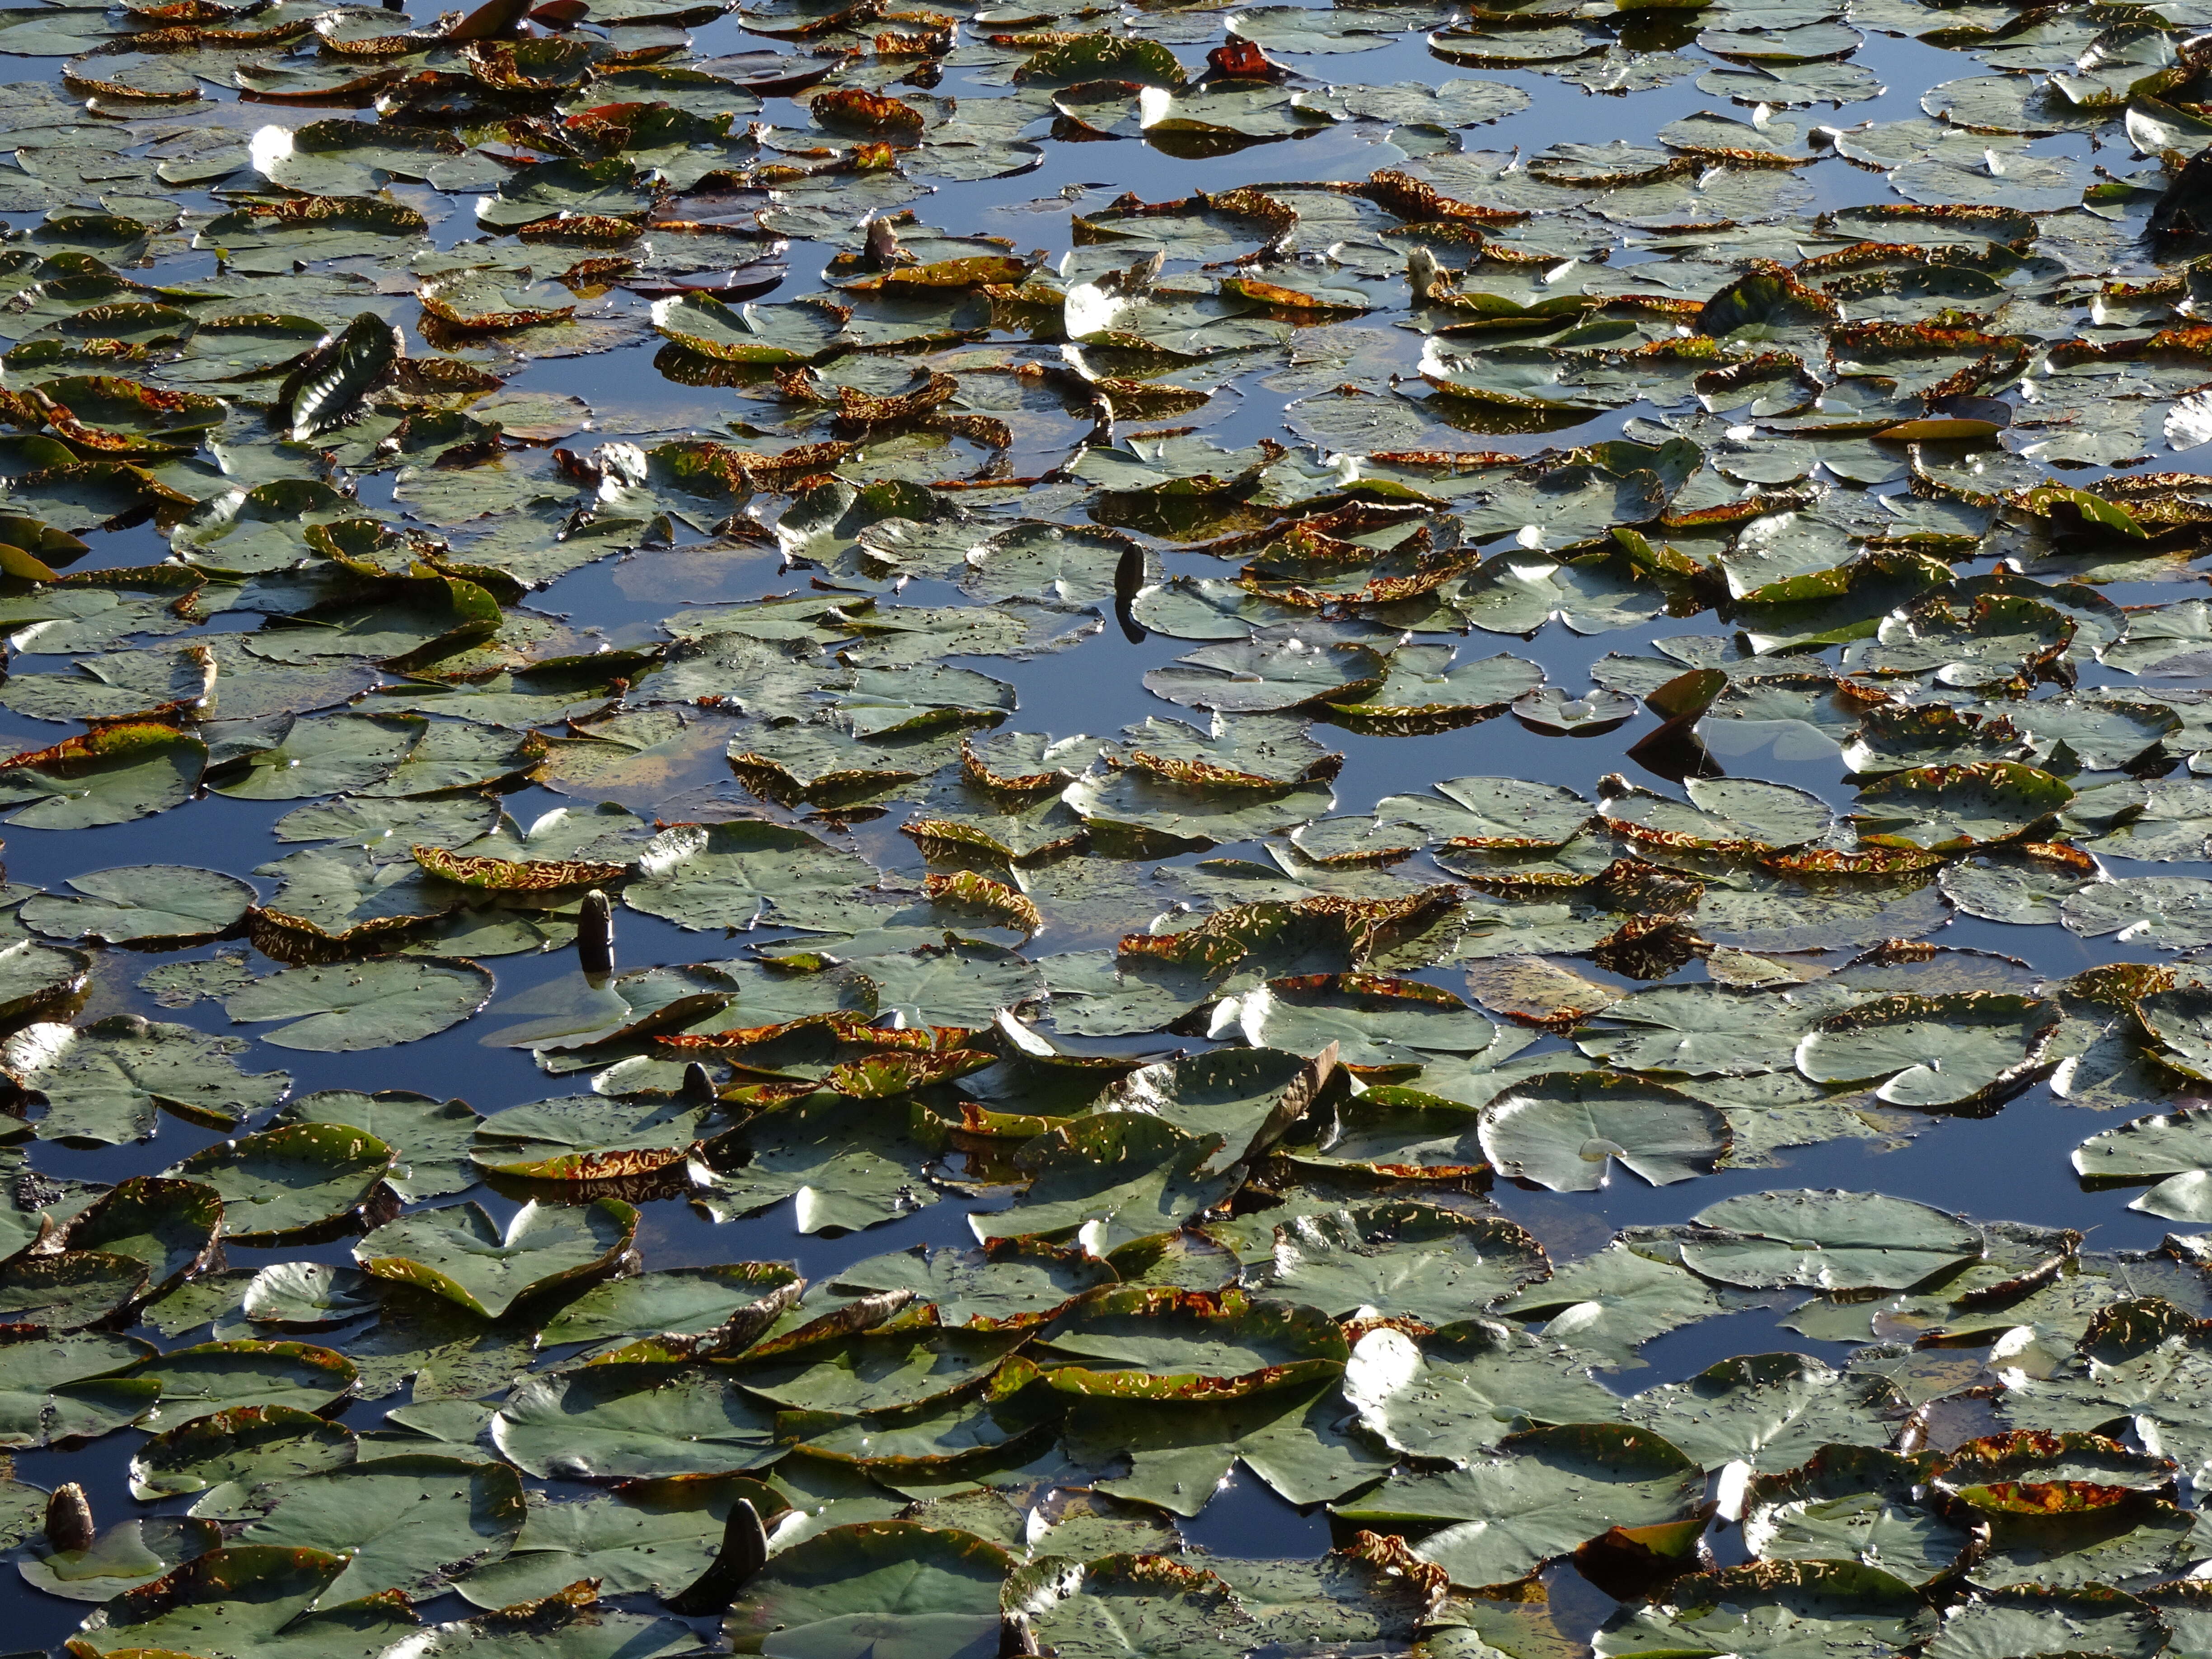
{"type": "Point", "coordinates": [1959, 1048]}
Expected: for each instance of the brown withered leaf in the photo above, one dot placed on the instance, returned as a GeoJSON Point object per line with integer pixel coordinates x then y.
{"type": "Point", "coordinates": [515, 875]}
{"type": "Point", "coordinates": [964, 889]}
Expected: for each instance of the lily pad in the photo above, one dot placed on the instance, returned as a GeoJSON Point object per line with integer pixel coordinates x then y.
{"type": "Point", "coordinates": [632, 1420]}
{"type": "Point", "coordinates": [350, 1006]}
{"type": "Point", "coordinates": [1829, 1241]}
{"type": "Point", "coordinates": [291, 1179]}
{"type": "Point", "coordinates": [459, 1253]}
{"type": "Point", "coordinates": [403, 1522]}
{"type": "Point", "coordinates": [1565, 1129]}
{"type": "Point", "coordinates": [1553, 1490]}
{"type": "Point", "coordinates": [165, 905]}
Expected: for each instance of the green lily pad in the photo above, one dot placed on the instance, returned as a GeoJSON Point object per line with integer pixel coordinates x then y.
{"type": "Point", "coordinates": [221, 1377]}
{"type": "Point", "coordinates": [726, 875]}
{"type": "Point", "coordinates": [355, 1006]}
{"type": "Point", "coordinates": [245, 1449]}
{"type": "Point", "coordinates": [655, 1536]}
{"type": "Point", "coordinates": [1456, 1396]}
{"type": "Point", "coordinates": [258, 1597]}
{"type": "Point", "coordinates": [1565, 1129]}
{"type": "Point", "coordinates": [1770, 1411]}
{"type": "Point", "coordinates": [678, 1301]}
{"type": "Point", "coordinates": [155, 904]}
{"type": "Point", "coordinates": [291, 1179]}
{"type": "Point", "coordinates": [112, 775]}
{"type": "Point", "coordinates": [2169, 1149]}
{"type": "Point", "coordinates": [1829, 1241]}
{"type": "Point", "coordinates": [403, 1521]}
{"type": "Point", "coordinates": [1402, 1261]}
{"type": "Point", "coordinates": [1930, 1051]}
{"type": "Point", "coordinates": [634, 1420]}
{"type": "Point", "coordinates": [110, 1081]}
{"type": "Point", "coordinates": [459, 1253]}
{"type": "Point", "coordinates": [933, 1592]}
{"type": "Point", "coordinates": [432, 1136]}
{"type": "Point", "coordinates": [1551, 1491]}
{"type": "Point", "coordinates": [1110, 1178]}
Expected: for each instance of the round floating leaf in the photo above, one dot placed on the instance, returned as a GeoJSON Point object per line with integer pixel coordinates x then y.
{"type": "Point", "coordinates": [404, 1522]}
{"type": "Point", "coordinates": [36, 978]}
{"type": "Point", "coordinates": [655, 1536]}
{"type": "Point", "coordinates": [218, 1377]}
{"type": "Point", "coordinates": [1700, 1030]}
{"type": "Point", "coordinates": [725, 875]}
{"type": "Point", "coordinates": [562, 1626]}
{"type": "Point", "coordinates": [1785, 1606]}
{"type": "Point", "coordinates": [1563, 1130]}
{"type": "Point", "coordinates": [623, 1420]}
{"type": "Point", "coordinates": [257, 1598]}
{"type": "Point", "coordinates": [432, 1136]}
{"type": "Point", "coordinates": [797, 332]}
{"type": "Point", "coordinates": [57, 1388]}
{"type": "Point", "coordinates": [1179, 1451]}
{"type": "Point", "coordinates": [1018, 1280]}
{"type": "Point", "coordinates": [1553, 1489]}
{"type": "Point", "coordinates": [2171, 911]}
{"type": "Point", "coordinates": [1945, 808]}
{"type": "Point", "coordinates": [1248, 1096]}
{"type": "Point", "coordinates": [167, 905]}
{"type": "Point", "coordinates": [245, 1449]}
{"type": "Point", "coordinates": [1129, 1605]}
{"type": "Point", "coordinates": [110, 775]}
{"type": "Point", "coordinates": [1410, 1260]}
{"type": "Point", "coordinates": [68, 1291]}
{"type": "Point", "coordinates": [1932, 1051]}
{"type": "Point", "coordinates": [1133, 802]}
{"type": "Point", "coordinates": [1454, 1397]}
{"type": "Point", "coordinates": [1494, 813]}
{"type": "Point", "coordinates": [326, 756]}
{"type": "Point", "coordinates": [850, 1588]}
{"type": "Point", "coordinates": [1371, 1019]}
{"type": "Point", "coordinates": [681, 1301]}
{"type": "Point", "coordinates": [349, 1006]}
{"type": "Point", "coordinates": [109, 1081]}
{"type": "Point", "coordinates": [1556, 713]}
{"type": "Point", "coordinates": [2011, 890]}
{"type": "Point", "coordinates": [459, 1253]}
{"type": "Point", "coordinates": [2173, 1148]}
{"type": "Point", "coordinates": [1830, 1241]}
{"type": "Point", "coordinates": [1424, 693]}
{"type": "Point", "coordinates": [954, 984]}
{"type": "Point", "coordinates": [1129, 1341]}
{"type": "Point", "coordinates": [2180, 1020]}
{"type": "Point", "coordinates": [1739, 814]}
{"type": "Point", "coordinates": [1608, 1304]}
{"type": "Point", "coordinates": [1852, 1503]}
{"type": "Point", "coordinates": [1771, 1411]}
{"type": "Point", "coordinates": [1261, 675]}
{"type": "Point", "coordinates": [835, 1155]}
{"type": "Point", "coordinates": [170, 1226]}
{"type": "Point", "coordinates": [308, 1294]}
{"type": "Point", "coordinates": [290, 1179]}
{"type": "Point", "coordinates": [125, 1556]}
{"type": "Point", "coordinates": [1101, 56]}
{"type": "Point", "coordinates": [1111, 1177]}
{"type": "Point", "coordinates": [889, 1369]}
